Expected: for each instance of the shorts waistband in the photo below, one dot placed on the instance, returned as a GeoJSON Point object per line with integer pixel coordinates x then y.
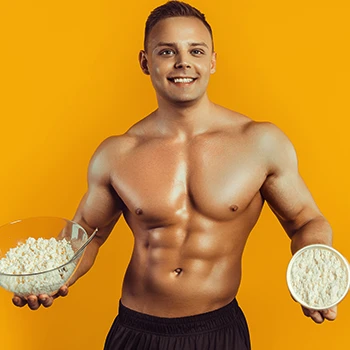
{"type": "Point", "coordinates": [200, 323]}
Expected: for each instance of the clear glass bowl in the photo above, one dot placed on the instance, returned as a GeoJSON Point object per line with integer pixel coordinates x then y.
{"type": "Point", "coordinates": [52, 277]}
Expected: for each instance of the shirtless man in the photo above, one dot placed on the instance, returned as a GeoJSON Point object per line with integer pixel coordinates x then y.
{"type": "Point", "coordinates": [191, 180]}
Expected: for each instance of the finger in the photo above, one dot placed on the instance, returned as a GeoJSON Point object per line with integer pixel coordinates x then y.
{"type": "Point", "coordinates": [316, 316]}
{"type": "Point", "coordinates": [63, 291]}
{"type": "Point", "coordinates": [33, 302]}
{"type": "Point", "coordinates": [306, 311]}
{"type": "Point", "coordinates": [45, 300]}
{"type": "Point", "coordinates": [18, 301]}
{"type": "Point", "coordinates": [330, 314]}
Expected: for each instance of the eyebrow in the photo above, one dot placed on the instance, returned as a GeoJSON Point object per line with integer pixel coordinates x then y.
{"type": "Point", "coordinates": [174, 44]}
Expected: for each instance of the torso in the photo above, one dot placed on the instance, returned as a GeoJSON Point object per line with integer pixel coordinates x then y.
{"type": "Point", "coordinates": [191, 205]}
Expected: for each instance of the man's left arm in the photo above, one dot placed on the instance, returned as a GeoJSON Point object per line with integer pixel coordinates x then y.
{"type": "Point", "coordinates": [289, 198]}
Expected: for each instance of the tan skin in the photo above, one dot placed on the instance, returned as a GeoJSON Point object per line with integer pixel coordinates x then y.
{"type": "Point", "coordinates": [191, 180]}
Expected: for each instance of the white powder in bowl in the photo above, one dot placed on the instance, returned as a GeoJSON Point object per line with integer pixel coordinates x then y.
{"type": "Point", "coordinates": [32, 257]}
{"type": "Point", "coordinates": [318, 277]}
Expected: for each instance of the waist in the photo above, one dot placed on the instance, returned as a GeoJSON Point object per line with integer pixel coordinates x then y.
{"type": "Point", "coordinates": [199, 323]}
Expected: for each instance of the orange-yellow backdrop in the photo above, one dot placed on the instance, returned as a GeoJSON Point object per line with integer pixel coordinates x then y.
{"type": "Point", "coordinates": [70, 78]}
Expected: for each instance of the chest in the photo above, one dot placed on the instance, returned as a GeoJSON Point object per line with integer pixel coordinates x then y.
{"type": "Point", "coordinates": [212, 177]}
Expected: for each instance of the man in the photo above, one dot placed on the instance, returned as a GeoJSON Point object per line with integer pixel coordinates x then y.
{"type": "Point", "coordinates": [191, 180]}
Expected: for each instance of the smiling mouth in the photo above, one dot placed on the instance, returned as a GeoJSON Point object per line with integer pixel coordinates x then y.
{"type": "Point", "coordinates": [182, 80]}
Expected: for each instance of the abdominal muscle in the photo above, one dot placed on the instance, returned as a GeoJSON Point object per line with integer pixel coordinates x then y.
{"type": "Point", "coordinates": [175, 273]}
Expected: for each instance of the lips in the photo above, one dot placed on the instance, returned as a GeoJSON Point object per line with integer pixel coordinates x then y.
{"type": "Point", "coordinates": [182, 80]}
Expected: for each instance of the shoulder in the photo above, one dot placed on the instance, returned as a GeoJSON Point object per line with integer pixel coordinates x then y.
{"type": "Point", "coordinates": [267, 141]}
{"type": "Point", "coordinates": [267, 133]}
{"type": "Point", "coordinates": [263, 133]}
{"type": "Point", "coordinates": [108, 153]}
{"type": "Point", "coordinates": [118, 146]}
{"type": "Point", "coordinates": [274, 146]}
{"type": "Point", "coordinates": [272, 138]}
{"type": "Point", "coordinates": [113, 146]}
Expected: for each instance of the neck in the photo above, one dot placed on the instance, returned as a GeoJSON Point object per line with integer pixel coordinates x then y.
{"type": "Point", "coordinates": [189, 118]}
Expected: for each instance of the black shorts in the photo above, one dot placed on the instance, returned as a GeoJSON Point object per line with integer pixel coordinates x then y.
{"type": "Point", "coordinates": [221, 329]}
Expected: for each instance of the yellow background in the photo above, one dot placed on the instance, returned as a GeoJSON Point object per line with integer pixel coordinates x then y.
{"type": "Point", "coordinates": [70, 78]}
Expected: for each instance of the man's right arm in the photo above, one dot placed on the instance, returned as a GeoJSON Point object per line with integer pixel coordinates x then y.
{"type": "Point", "coordinates": [99, 208]}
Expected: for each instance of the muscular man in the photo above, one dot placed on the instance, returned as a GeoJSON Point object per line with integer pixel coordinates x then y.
{"type": "Point", "coordinates": [191, 180]}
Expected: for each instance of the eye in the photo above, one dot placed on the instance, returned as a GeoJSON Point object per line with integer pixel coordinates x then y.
{"type": "Point", "coordinates": [166, 52]}
{"type": "Point", "coordinates": [197, 52]}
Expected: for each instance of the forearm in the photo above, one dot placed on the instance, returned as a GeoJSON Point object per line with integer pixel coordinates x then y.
{"type": "Point", "coordinates": [317, 230]}
{"type": "Point", "coordinates": [92, 248]}
{"type": "Point", "coordinates": [87, 261]}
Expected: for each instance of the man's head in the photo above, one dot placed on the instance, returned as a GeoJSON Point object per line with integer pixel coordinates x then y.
{"type": "Point", "coordinates": [179, 54]}
{"type": "Point", "coordinates": [174, 9]}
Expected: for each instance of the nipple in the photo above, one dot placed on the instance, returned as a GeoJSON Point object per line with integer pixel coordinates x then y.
{"type": "Point", "coordinates": [178, 270]}
{"type": "Point", "coordinates": [138, 211]}
{"type": "Point", "coordinates": [234, 207]}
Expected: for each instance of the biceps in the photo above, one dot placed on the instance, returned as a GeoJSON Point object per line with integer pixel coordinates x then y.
{"type": "Point", "coordinates": [290, 200]}
{"type": "Point", "coordinates": [99, 207]}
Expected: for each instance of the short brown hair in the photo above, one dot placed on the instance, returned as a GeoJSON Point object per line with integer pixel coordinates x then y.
{"type": "Point", "coordinates": [174, 9]}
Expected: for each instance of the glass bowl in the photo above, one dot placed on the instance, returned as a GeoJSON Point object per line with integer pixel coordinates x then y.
{"type": "Point", "coordinates": [318, 277]}
{"type": "Point", "coordinates": [45, 262]}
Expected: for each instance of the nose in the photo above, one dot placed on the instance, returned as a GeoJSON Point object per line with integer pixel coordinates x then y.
{"type": "Point", "coordinates": [182, 61]}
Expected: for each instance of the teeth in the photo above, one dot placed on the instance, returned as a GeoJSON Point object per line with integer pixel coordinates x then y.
{"type": "Point", "coordinates": [183, 80]}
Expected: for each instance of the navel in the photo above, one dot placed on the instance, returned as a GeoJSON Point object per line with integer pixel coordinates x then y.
{"type": "Point", "coordinates": [178, 271]}
{"type": "Point", "coordinates": [234, 207]}
{"type": "Point", "coordinates": [138, 211]}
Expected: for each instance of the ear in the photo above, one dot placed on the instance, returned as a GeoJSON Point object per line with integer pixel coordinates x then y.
{"type": "Point", "coordinates": [143, 62]}
{"type": "Point", "coordinates": [213, 63]}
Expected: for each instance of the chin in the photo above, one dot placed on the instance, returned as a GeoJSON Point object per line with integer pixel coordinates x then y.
{"type": "Point", "coordinates": [184, 98]}
{"type": "Point", "coordinates": [184, 102]}
{"type": "Point", "coordinates": [181, 100]}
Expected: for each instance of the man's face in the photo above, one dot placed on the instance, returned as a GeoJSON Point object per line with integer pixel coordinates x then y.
{"type": "Point", "coordinates": [179, 59]}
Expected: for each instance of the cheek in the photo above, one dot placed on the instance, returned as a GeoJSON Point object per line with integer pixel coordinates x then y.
{"type": "Point", "coordinates": [206, 70]}
{"type": "Point", "coordinates": [157, 72]}
{"type": "Point", "coordinates": [204, 66]}
{"type": "Point", "coordinates": [157, 78]}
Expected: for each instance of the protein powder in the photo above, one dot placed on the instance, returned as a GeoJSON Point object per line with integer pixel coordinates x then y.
{"type": "Point", "coordinates": [318, 276]}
